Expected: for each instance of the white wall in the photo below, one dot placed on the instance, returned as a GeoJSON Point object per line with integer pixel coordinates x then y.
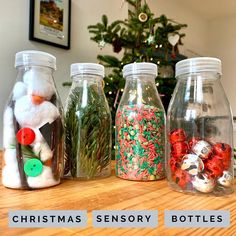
{"type": "Point", "coordinates": [222, 44]}
{"type": "Point", "coordinates": [14, 23]}
{"type": "Point", "coordinates": [195, 41]}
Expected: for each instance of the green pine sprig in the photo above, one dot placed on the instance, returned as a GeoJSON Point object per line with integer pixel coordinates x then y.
{"type": "Point", "coordinates": [88, 133]}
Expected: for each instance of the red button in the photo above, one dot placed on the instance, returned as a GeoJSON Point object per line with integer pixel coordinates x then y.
{"type": "Point", "coordinates": [25, 136]}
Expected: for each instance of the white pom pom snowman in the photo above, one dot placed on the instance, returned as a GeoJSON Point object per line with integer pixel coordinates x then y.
{"type": "Point", "coordinates": [32, 110]}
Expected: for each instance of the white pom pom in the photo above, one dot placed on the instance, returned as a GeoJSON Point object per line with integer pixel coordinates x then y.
{"type": "Point", "coordinates": [8, 116]}
{"type": "Point", "coordinates": [19, 90]}
{"type": "Point", "coordinates": [10, 158]}
{"type": "Point", "coordinates": [29, 115]}
{"type": "Point", "coordinates": [10, 177]}
{"type": "Point", "coordinates": [43, 150]}
{"type": "Point", "coordinates": [45, 179]}
{"type": "Point", "coordinates": [10, 172]}
{"type": "Point", "coordinates": [39, 83]}
{"type": "Point", "coordinates": [8, 129]}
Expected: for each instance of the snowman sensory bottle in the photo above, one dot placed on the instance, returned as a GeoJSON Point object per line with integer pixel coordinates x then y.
{"type": "Point", "coordinates": [32, 125]}
{"type": "Point", "coordinates": [200, 130]}
{"type": "Point", "coordinates": [87, 124]}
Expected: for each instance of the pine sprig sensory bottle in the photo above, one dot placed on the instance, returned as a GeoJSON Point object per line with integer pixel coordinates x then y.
{"type": "Point", "coordinates": [33, 125]}
{"type": "Point", "coordinates": [87, 124]}
{"type": "Point", "coordinates": [140, 126]}
{"type": "Point", "coordinates": [200, 130]}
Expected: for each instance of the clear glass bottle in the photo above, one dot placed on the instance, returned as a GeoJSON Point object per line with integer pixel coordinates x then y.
{"type": "Point", "coordinates": [140, 126]}
{"type": "Point", "coordinates": [33, 125]}
{"type": "Point", "coordinates": [87, 124]}
{"type": "Point", "coordinates": [200, 130]}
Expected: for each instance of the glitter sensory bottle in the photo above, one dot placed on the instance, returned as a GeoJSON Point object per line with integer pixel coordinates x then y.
{"type": "Point", "coordinates": [140, 126]}
{"type": "Point", "coordinates": [200, 130]}
{"type": "Point", "coordinates": [87, 124]}
{"type": "Point", "coordinates": [33, 125]}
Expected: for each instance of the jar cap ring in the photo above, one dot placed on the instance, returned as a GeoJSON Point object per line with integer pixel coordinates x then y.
{"type": "Point", "coordinates": [198, 64]}
{"type": "Point", "coordinates": [35, 58]}
{"type": "Point", "coordinates": [140, 68]}
{"type": "Point", "coordinates": [87, 68]}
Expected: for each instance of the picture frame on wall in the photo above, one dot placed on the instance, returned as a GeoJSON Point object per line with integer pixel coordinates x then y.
{"type": "Point", "coordinates": [50, 22]}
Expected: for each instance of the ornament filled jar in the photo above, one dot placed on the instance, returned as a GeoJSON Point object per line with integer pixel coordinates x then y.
{"type": "Point", "coordinates": [200, 130]}
{"type": "Point", "coordinates": [33, 125]}
{"type": "Point", "coordinates": [87, 124]}
{"type": "Point", "coordinates": [140, 126]}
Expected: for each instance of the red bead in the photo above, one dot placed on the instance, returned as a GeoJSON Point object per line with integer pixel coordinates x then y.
{"type": "Point", "coordinates": [178, 135]}
{"type": "Point", "coordinates": [174, 164]}
{"type": "Point", "coordinates": [25, 136]}
{"type": "Point", "coordinates": [179, 149]}
{"type": "Point", "coordinates": [182, 178]}
{"type": "Point", "coordinates": [192, 142]}
{"type": "Point", "coordinates": [214, 166]}
{"type": "Point", "coordinates": [223, 150]}
{"type": "Point", "coordinates": [225, 161]}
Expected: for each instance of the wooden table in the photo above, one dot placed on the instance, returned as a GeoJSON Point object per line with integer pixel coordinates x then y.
{"type": "Point", "coordinates": [112, 194]}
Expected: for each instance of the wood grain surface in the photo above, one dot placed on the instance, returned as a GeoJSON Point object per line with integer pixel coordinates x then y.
{"type": "Point", "coordinates": [112, 194]}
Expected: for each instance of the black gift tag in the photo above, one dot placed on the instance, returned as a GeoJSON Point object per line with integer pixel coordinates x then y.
{"type": "Point", "coordinates": [49, 130]}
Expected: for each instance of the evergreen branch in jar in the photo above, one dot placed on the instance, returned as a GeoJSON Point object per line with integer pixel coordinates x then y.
{"type": "Point", "coordinates": [72, 133]}
{"type": "Point", "coordinates": [87, 134]}
{"type": "Point", "coordinates": [95, 136]}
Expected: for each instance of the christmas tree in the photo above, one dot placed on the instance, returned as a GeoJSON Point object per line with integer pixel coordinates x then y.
{"type": "Point", "coordinates": [141, 38]}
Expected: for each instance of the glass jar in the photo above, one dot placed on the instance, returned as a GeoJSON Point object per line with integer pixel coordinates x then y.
{"type": "Point", "coordinates": [140, 126]}
{"type": "Point", "coordinates": [200, 130]}
{"type": "Point", "coordinates": [33, 125]}
{"type": "Point", "coordinates": [87, 124]}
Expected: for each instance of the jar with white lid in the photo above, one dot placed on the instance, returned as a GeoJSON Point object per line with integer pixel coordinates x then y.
{"type": "Point", "coordinates": [87, 124]}
{"type": "Point", "coordinates": [33, 125]}
{"type": "Point", "coordinates": [140, 126]}
{"type": "Point", "coordinates": [200, 130]}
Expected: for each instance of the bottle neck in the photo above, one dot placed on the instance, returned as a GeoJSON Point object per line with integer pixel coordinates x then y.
{"type": "Point", "coordinates": [140, 90]}
{"type": "Point", "coordinates": [87, 80]}
{"type": "Point", "coordinates": [36, 72]}
{"type": "Point", "coordinates": [138, 81]}
{"type": "Point", "coordinates": [204, 76]}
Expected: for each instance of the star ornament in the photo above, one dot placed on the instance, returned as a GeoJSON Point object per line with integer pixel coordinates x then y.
{"type": "Point", "coordinates": [150, 39]}
{"type": "Point", "coordinates": [101, 43]}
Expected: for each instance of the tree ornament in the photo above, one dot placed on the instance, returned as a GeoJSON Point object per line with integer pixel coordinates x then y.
{"type": "Point", "coordinates": [173, 55]}
{"type": "Point", "coordinates": [101, 43]}
{"type": "Point", "coordinates": [117, 45]}
{"type": "Point", "coordinates": [173, 39]}
{"type": "Point", "coordinates": [143, 17]}
{"type": "Point", "coordinates": [150, 39]}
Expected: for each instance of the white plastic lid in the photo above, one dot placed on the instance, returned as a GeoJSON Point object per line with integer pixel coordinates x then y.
{"type": "Point", "coordinates": [140, 68]}
{"type": "Point", "coordinates": [87, 68]}
{"type": "Point", "coordinates": [198, 64]}
{"type": "Point", "coordinates": [35, 58]}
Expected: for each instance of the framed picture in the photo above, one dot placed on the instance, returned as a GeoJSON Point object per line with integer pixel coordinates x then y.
{"type": "Point", "coordinates": [50, 22]}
